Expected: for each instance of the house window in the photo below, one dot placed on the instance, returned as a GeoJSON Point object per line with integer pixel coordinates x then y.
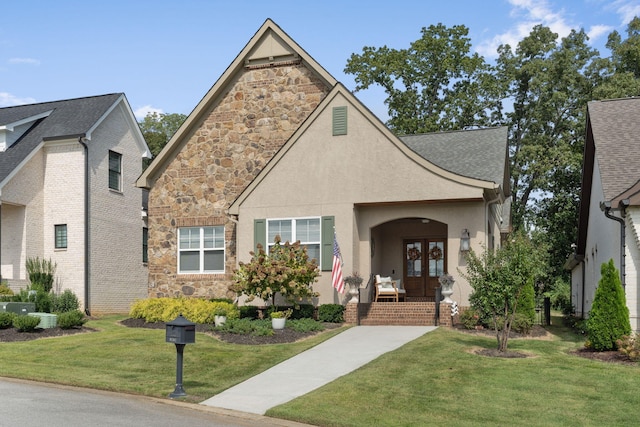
{"type": "Point", "coordinates": [201, 250]}
{"type": "Point", "coordinates": [145, 244]}
{"type": "Point", "coordinates": [307, 230]}
{"type": "Point", "coordinates": [115, 171]}
{"type": "Point", "coordinates": [60, 236]}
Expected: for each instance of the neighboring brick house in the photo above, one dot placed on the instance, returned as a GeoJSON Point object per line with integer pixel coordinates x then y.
{"type": "Point", "coordinates": [278, 146]}
{"type": "Point", "coordinates": [67, 170]}
{"type": "Point", "coordinates": [609, 221]}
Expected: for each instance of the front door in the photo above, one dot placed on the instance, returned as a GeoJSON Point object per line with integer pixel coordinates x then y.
{"type": "Point", "coordinates": [424, 263]}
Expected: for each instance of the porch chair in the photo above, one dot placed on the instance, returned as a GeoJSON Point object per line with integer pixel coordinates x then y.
{"type": "Point", "coordinates": [386, 288]}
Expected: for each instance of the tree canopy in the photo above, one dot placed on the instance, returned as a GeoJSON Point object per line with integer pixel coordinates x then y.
{"type": "Point", "coordinates": [158, 128]}
{"type": "Point", "coordinates": [539, 89]}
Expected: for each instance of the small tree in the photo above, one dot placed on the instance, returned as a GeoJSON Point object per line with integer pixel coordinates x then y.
{"type": "Point", "coordinates": [286, 270]}
{"type": "Point", "coordinates": [499, 279]}
{"type": "Point", "coordinates": [609, 316]}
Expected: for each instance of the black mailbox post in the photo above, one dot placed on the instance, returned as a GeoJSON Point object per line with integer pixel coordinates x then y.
{"type": "Point", "coordinates": [180, 332]}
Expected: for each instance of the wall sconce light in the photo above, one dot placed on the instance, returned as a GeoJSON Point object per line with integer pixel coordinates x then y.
{"type": "Point", "coordinates": [465, 241]}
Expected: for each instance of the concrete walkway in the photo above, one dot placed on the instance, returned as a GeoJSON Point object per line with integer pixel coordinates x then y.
{"type": "Point", "coordinates": [315, 367]}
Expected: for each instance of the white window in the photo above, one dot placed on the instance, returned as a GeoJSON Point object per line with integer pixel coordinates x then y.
{"type": "Point", "coordinates": [307, 230]}
{"type": "Point", "coordinates": [201, 250]}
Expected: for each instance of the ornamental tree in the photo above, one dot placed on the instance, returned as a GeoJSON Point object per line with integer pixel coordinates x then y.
{"type": "Point", "coordinates": [286, 270]}
{"type": "Point", "coordinates": [500, 278]}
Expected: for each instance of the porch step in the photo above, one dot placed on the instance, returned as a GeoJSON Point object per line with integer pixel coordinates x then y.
{"type": "Point", "coordinates": [403, 313]}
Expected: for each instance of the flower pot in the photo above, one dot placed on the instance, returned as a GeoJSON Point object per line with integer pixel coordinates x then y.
{"type": "Point", "coordinates": [278, 323]}
{"type": "Point", "coordinates": [219, 320]}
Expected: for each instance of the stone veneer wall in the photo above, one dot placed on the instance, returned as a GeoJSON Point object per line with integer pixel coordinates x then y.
{"type": "Point", "coordinates": [257, 114]}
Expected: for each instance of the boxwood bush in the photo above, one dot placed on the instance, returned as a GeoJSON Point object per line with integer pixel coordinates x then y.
{"type": "Point", "coordinates": [331, 313]}
{"type": "Point", "coordinates": [71, 319]}
{"type": "Point", "coordinates": [196, 310]}
{"type": "Point", "coordinates": [26, 323]}
{"type": "Point", "coordinates": [6, 319]}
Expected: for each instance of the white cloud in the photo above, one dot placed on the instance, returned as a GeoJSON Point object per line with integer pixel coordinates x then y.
{"type": "Point", "coordinates": [596, 31]}
{"type": "Point", "coordinates": [28, 61]}
{"type": "Point", "coordinates": [142, 112]}
{"type": "Point", "coordinates": [627, 9]}
{"type": "Point", "coordinates": [526, 15]}
{"type": "Point", "coordinates": [8, 100]}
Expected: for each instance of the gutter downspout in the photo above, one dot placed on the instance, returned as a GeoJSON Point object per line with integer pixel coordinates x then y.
{"type": "Point", "coordinates": [606, 208]}
{"type": "Point", "coordinates": [82, 140]}
{"type": "Point", "coordinates": [487, 212]}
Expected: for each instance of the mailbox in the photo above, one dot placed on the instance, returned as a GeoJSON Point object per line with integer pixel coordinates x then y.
{"type": "Point", "coordinates": [181, 331]}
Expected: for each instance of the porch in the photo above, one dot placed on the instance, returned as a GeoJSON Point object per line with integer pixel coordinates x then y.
{"type": "Point", "coordinates": [411, 313]}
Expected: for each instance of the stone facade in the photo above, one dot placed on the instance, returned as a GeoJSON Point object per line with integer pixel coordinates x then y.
{"type": "Point", "coordinates": [258, 112]}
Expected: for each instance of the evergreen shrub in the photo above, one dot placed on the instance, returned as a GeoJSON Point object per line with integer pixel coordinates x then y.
{"type": "Point", "coordinates": [26, 323]}
{"type": "Point", "coordinates": [609, 316]}
{"type": "Point", "coordinates": [331, 313]}
{"type": "Point", "coordinates": [71, 319]}
{"type": "Point", "coordinates": [6, 319]}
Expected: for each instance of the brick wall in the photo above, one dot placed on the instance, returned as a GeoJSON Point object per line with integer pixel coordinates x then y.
{"type": "Point", "coordinates": [397, 313]}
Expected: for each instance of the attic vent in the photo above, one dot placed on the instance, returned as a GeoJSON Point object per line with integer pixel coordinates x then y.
{"type": "Point", "coordinates": [339, 121]}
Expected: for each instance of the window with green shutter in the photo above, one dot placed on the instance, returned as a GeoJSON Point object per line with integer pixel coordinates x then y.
{"type": "Point", "coordinates": [339, 121]}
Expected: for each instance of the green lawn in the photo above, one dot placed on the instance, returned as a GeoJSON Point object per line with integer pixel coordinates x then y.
{"type": "Point", "coordinates": [136, 360]}
{"type": "Point", "coordinates": [434, 380]}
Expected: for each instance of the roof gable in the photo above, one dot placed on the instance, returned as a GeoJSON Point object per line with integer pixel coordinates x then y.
{"type": "Point", "coordinates": [426, 163]}
{"type": "Point", "coordinates": [56, 120]}
{"type": "Point", "coordinates": [269, 46]}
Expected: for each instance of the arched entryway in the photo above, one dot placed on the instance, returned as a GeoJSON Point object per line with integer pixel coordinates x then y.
{"type": "Point", "coordinates": [413, 250]}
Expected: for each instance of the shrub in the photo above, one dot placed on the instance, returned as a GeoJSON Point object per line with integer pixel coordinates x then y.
{"type": "Point", "coordinates": [196, 310]}
{"type": "Point", "coordinates": [305, 325]}
{"type": "Point", "coordinates": [248, 312]}
{"type": "Point", "coordinates": [331, 313]}
{"type": "Point", "coordinates": [522, 323]}
{"type": "Point", "coordinates": [527, 303]}
{"type": "Point", "coordinates": [71, 319]}
{"type": "Point", "coordinates": [609, 317]}
{"type": "Point", "coordinates": [304, 311]}
{"type": "Point", "coordinates": [629, 345]}
{"type": "Point", "coordinates": [4, 289]}
{"type": "Point", "coordinates": [66, 301]}
{"type": "Point", "coordinates": [6, 319]}
{"type": "Point", "coordinates": [41, 272]}
{"type": "Point", "coordinates": [286, 270]}
{"type": "Point", "coordinates": [26, 323]}
{"type": "Point", "coordinates": [247, 327]}
{"type": "Point", "coordinates": [470, 318]}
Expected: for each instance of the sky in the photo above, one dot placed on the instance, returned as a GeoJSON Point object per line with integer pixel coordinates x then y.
{"type": "Point", "coordinates": [165, 55]}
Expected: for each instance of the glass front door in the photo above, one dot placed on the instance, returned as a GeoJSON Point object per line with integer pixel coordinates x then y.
{"type": "Point", "coordinates": [425, 261]}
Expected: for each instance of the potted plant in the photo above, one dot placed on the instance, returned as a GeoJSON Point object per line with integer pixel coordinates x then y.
{"type": "Point", "coordinates": [219, 316]}
{"type": "Point", "coordinates": [279, 318]}
{"type": "Point", "coordinates": [446, 283]}
{"type": "Point", "coordinates": [354, 281]}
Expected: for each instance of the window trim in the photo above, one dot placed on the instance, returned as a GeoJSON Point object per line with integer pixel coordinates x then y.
{"type": "Point", "coordinates": [201, 250]}
{"type": "Point", "coordinates": [294, 234]}
{"type": "Point", "coordinates": [118, 171]}
{"type": "Point", "coordinates": [58, 243]}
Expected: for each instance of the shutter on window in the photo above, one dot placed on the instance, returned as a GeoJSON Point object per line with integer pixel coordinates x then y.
{"type": "Point", "coordinates": [339, 121]}
{"type": "Point", "coordinates": [328, 223]}
{"type": "Point", "coordinates": [259, 234]}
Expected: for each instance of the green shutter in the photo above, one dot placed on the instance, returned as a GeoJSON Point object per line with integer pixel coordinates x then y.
{"type": "Point", "coordinates": [328, 223]}
{"type": "Point", "coordinates": [339, 121]}
{"type": "Point", "coordinates": [259, 234]}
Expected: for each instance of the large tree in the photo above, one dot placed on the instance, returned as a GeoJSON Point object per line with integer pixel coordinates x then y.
{"type": "Point", "coordinates": [435, 84]}
{"type": "Point", "coordinates": [158, 128]}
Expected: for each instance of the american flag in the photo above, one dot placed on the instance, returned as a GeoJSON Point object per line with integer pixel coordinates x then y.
{"type": "Point", "coordinates": [336, 270]}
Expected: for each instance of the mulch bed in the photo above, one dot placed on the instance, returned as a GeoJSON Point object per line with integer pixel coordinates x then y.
{"type": "Point", "coordinates": [282, 336]}
{"type": "Point", "coordinates": [13, 335]}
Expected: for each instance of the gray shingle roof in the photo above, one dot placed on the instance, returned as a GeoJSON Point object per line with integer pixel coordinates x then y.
{"type": "Point", "coordinates": [71, 117]}
{"type": "Point", "coordinates": [479, 153]}
{"type": "Point", "coordinates": [616, 134]}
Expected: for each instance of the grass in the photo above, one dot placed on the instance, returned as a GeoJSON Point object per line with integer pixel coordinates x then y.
{"type": "Point", "coordinates": [434, 380]}
{"type": "Point", "coordinates": [139, 361]}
